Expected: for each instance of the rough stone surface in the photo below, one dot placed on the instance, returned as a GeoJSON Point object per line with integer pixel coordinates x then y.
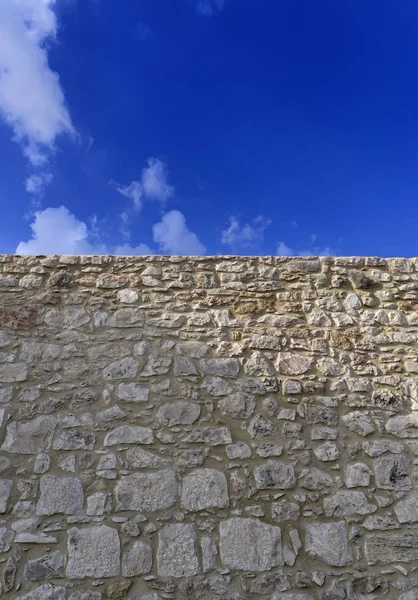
{"type": "Point", "coordinates": [208, 427]}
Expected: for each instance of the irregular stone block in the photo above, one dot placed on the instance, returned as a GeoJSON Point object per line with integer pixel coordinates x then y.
{"type": "Point", "coordinates": [328, 542]}
{"type": "Point", "coordinates": [132, 392]}
{"type": "Point", "coordinates": [250, 545]}
{"type": "Point", "coordinates": [359, 423]}
{"type": "Point", "coordinates": [69, 317]}
{"type": "Point", "coordinates": [46, 591]}
{"type": "Point", "coordinates": [138, 458]}
{"type": "Point", "coordinates": [209, 436]}
{"type": "Point", "coordinates": [240, 450]}
{"type": "Point", "coordinates": [48, 566]}
{"type": "Point", "coordinates": [209, 553]}
{"type": "Point", "coordinates": [204, 488]}
{"type": "Point", "coordinates": [5, 489]}
{"type": "Point", "coordinates": [93, 552]}
{"type": "Point", "coordinates": [220, 367]}
{"type": "Point", "coordinates": [126, 368]}
{"type": "Point", "coordinates": [403, 426]}
{"type": "Point", "coordinates": [60, 495]}
{"type": "Point", "coordinates": [327, 452]}
{"type": "Point", "coordinates": [260, 427]}
{"type": "Point", "coordinates": [13, 372]}
{"type": "Point", "coordinates": [294, 364]}
{"type": "Point", "coordinates": [391, 547]}
{"type": "Point", "coordinates": [6, 538]}
{"type": "Point", "coordinates": [240, 405]}
{"type": "Point", "coordinates": [344, 503]}
{"type": "Point", "coordinates": [178, 413]}
{"type": "Point", "coordinates": [284, 511]}
{"type": "Point", "coordinates": [274, 474]}
{"type": "Point", "coordinates": [392, 472]}
{"type": "Point", "coordinates": [129, 434]}
{"type": "Point", "coordinates": [357, 475]}
{"type": "Point", "coordinates": [137, 560]}
{"type": "Point", "coordinates": [30, 437]}
{"type": "Point", "coordinates": [177, 551]}
{"type": "Point", "coordinates": [74, 439]}
{"type": "Point", "coordinates": [147, 492]}
{"type": "Point", "coordinates": [406, 510]}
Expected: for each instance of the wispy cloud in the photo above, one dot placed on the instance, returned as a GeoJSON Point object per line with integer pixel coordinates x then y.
{"type": "Point", "coordinates": [153, 185]}
{"type": "Point", "coordinates": [207, 8]}
{"type": "Point", "coordinates": [32, 101]}
{"type": "Point", "coordinates": [174, 237]}
{"type": "Point", "coordinates": [37, 183]}
{"type": "Point", "coordinates": [284, 250]}
{"type": "Point", "coordinates": [249, 234]}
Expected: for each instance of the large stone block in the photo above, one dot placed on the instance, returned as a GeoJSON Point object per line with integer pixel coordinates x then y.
{"type": "Point", "coordinates": [177, 551]}
{"type": "Point", "coordinates": [93, 552]}
{"type": "Point", "coordinates": [147, 492]}
{"type": "Point", "coordinates": [30, 437]}
{"type": "Point", "coordinates": [60, 495]}
{"type": "Point", "coordinates": [204, 488]}
{"type": "Point", "coordinates": [328, 542]}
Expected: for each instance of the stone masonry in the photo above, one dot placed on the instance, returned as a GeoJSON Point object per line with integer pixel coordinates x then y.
{"type": "Point", "coordinates": [208, 428]}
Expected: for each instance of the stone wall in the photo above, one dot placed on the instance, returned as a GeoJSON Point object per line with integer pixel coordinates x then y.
{"type": "Point", "coordinates": [208, 428]}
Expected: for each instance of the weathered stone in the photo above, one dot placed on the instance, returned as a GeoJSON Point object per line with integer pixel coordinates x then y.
{"type": "Point", "coordinates": [344, 503]}
{"type": "Point", "coordinates": [209, 554]}
{"type": "Point", "coordinates": [320, 414]}
{"type": "Point", "coordinates": [126, 317]}
{"type": "Point", "coordinates": [93, 552]}
{"type": "Point", "coordinates": [240, 450]}
{"type": "Point", "coordinates": [403, 426]}
{"type": "Point", "coordinates": [98, 504]}
{"type": "Point", "coordinates": [138, 458]}
{"type": "Point", "coordinates": [178, 413]}
{"type": "Point", "coordinates": [391, 547]}
{"type": "Point", "coordinates": [132, 392]}
{"type": "Point", "coordinates": [240, 405]}
{"type": "Point", "coordinates": [250, 545]}
{"type": "Point", "coordinates": [46, 591]}
{"type": "Point", "coordinates": [284, 511]}
{"type": "Point", "coordinates": [328, 542]}
{"type": "Point", "coordinates": [5, 489]}
{"type": "Point", "coordinates": [327, 452]}
{"type": "Point", "coordinates": [260, 426]}
{"type": "Point", "coordinates": [274, 474]}
{"type": "Point", "coordinates": [294, 364]}
{"type": "Point", "coordinates": [137, 560]}
{"type": "Point", "coordinates": [13, 372]}
{"type": "Point", "coordinates": [177, 551]}
{"type": "Point", "coordinates": [357, 475]}
{"type": "Point", "coordinates": [204, 488]}
{"type": "Point", "coordinates": [147, 492]}
{"type": "Point", "coordinates": [220, 367]}
{"type": "Point", "coordinates": [129, 434]}
{"type": "Point", "coordinates": [69, 317]}
{"type": "Point", "coordinates": [49, 566]}
{"type": "Point", "coordinates": [74, 439]}
{"type": "Point", "coordinates": [184, 366]}
{"type": "Point", "coordinates": [392, 472]}
{"type": "Point", "coordinates": [126, 368]}
{"type": "Point", "coordinates": [6, 538]}
{"type": "Point", "coordinates": [407, 509]}
{"type": "Point", "coordinates": [31, 437]}
{"type": "Point", "coordinates": [359, 423]}
{"type": "Point", "coordinates": [209, 436]}
{"type": "Point", "coordinates": [62, 495]}
{"type": "Point", "coordinates": [156, 365]}
{"type": "Point", "coordinates": [33, 351]}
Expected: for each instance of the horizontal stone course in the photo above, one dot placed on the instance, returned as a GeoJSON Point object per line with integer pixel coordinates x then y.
{"type": "Point", "coordinates": [208, 427]}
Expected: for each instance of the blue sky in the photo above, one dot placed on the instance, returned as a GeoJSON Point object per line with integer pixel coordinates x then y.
{"type": "Point", "coordinates": [209, 126]}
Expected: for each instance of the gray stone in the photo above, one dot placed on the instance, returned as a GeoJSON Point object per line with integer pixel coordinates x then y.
{"type": "Point", "coordinates": [345, 503]}
{"type": "Point", "coordinates": [177, 551]}
{"type": "Point", "coordinates": [126, 368]}
{"type": "Point", "coordinates": [315, 415]}
{"type": "Point", "coordinates": [294, 364]}
{"type": "Point", "coordinates": [129, 434]}
{"type": "Point", "coordinates": [209, 554]}
{"type": "Point", "coordinates": [178, 413]}
{"type": "Point", "coordinates": [407, 509]}
{"type": "Point", "coordinates": [147, 492]}
{"type": "Point", "coordinates": [324, 433]}
{"type": "Point", "coordinates": [30, 437]}
{"type": "Point", "coordinates": [126, 317]}
{"type": "Point", "coordinates": [5, 489]}
{"type": "Point", "coordinates": [274, 474]}
{"type": "Point", "coordinates": [328, 542]}
{"type": "Point", "coordinates": [132, 392]}
{"type": "Point", "coordinates": [327, 452]}
{"type": "Point", "coordinates": [269, 449]}
{"type": "Point", "coordinates": [93, 552]}
{"type": "Point", "coordinates": [42, 464]}
{"type": "Point", "coordinates": [137, 560]}
{"type": "Point", "coordinates": [33, 351]}
{"type": "Point", "coordinates": [13, 372]}
{"type": "Point", "coordinates": [204, 488]}
{"type": "Point", "coordinates": [6, 538]}
{"type": "Point", "coordinates": [86, 596]}
{"type": "Point", "coordinates": [240, 405]}
{"type": "Point", "coordinates": [284, 511]}
{"type": "Point", "coordinates": [250, 545]}
{"type": "Point", "coordinates": [220, 367]}
{"type": "Point", "coordinates": [184, 366]}
{"type": "Point", "coordinates": [240, 450]}
{"type": "Point", "coordinates": [357, 475]}
{"type": "Point", "coordinates": [137, 458]}
{"type": "Point", "coordinates": [48, 566]}
{"type": "Point", "coordinates": [391, 547]}
{"type": "Point", "coordinates": [60, 495]}
{"type": "Point", "coordinates": [46, 591]}
{"type": "Point", "coordinates": [403, 426]}
{"type": "Point", "coordinates": [69, 317]}
{"type": "Point", "coordinates": [260, 427]}
{"type": "Point", "coordinates": [359, 423]}
{"type": "Point", "coordinates": [210, 436]}
{"type": "Point", "coordinates": [74, 439]}
{"type": "Point", "coordinates": [98, 504]}
{"type": "Point", "coordinates": [392, 472]}
{"type": "Point", "coordinates": [35, 538]}
{"type": "Point", "coordinates": [156, 365]}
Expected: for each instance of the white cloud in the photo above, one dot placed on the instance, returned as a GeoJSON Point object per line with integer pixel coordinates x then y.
{"type": "Point", "coordinates": [174, 237]}
{"type": "Point", "coordinates": [247, 235]}
{"type": "Point", "coordinates": [153, 185]}
{"type": "Point", "coordinates": [58, 231]}
{"type": "Point", "coordinates": [36, 184]}
{"type": "Point", "coordinates": [31, 99]}
{"type": "Point", "coordinates": [284, 250]}
{"type": "Point", "coordinates": [207, 8]}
